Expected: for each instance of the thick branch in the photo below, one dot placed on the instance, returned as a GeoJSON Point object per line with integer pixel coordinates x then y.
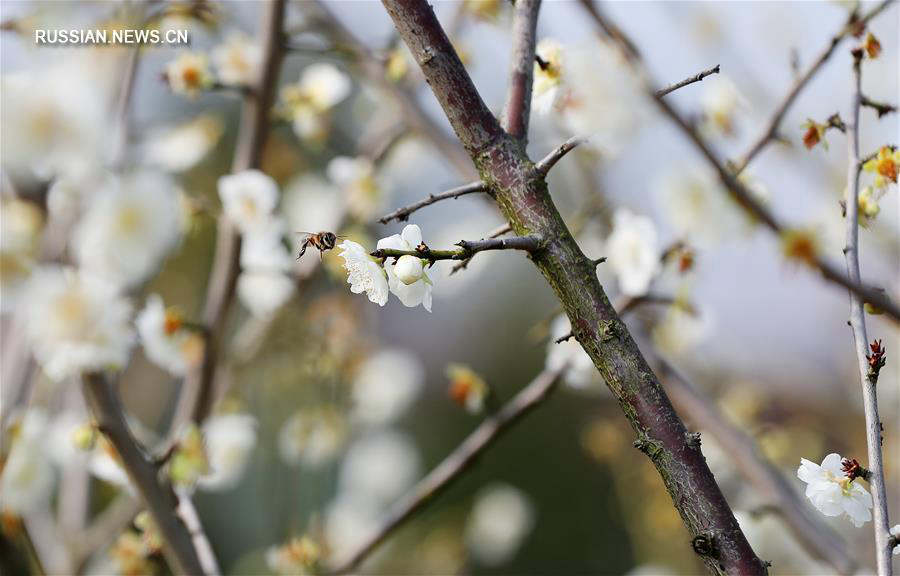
{"type": "Point", "coordinates": [156, 494]}
{"type": "Point", "coordinates": [467, 248]}
{"type": "Point", "coordinates": [517, 110]}
{"type": "Point", "coordinates": [868, 378]}
{"type": "Point", "coordinates": [402, 214]}
{"type": "Point", "coordinates": [522, 195]}
{"type": "Point", "coordinates": [687, 81]}
{"type": "Point", "coordinates": [455, 465]}
{"type": "Point", "coordinates": [744, 197]}
{"type": "Point", "coordinates": [771, 132]}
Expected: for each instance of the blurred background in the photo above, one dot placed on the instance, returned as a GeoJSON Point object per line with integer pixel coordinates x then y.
{"type": "Point", "coordinates": [350, 401]}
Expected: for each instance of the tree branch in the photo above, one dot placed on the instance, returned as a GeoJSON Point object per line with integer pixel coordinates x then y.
{"type": "Point", "coordinates": [496, 232]}
{"type": "Point", "coordinates": [771, 132]}
{"type": "Point", "coordinates": [455, 465]}
{"type": "Point", "coordinates": [467, 248]}
{"type": "Point", "coordinates": [687, 81]}
{"type": "Point", "coordinates": [402, 214]}
{"type": "Point", "coordinates": [868, 377]}
{"type": "Point", "coordinates": [741, 194]}
{"type": "Point", "coordinates": [522, 195]}
{"type": "Point", "coordinates": [517, 110]}
{"type": "Point", "coordinates": [880, 108]}
{"type": "Point", "coordinates": [156, 493]}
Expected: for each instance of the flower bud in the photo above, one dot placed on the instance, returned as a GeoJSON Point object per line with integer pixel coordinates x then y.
{"type": "Point", "coordinates": [408, 269]}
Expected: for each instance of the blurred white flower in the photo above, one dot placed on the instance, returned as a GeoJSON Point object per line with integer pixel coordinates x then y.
{"type": "Point", "coordinates": [312, 437]}
{"type": "Point", "coordinates": [697, 207]}
{"type": "Point", "coordinates": [548, 70]}
{"type": "Point", "coordinates": [581, 373]}
{"type": "Point", "coordinates": [238, 60]}
{"type": "Point", "coordinates": [311, 204]}
{"type": "Point", "coordinates": [501, 519]}
{"type": "Point", "coordinates": [179, 148]}
{"type": "Point", "coordinates": [104, 464]}
{"type": "Point", "coordinates": [720, 100]}
{"type": "Point", "coordinates": [349, 521]}
{"type": "Point", "coordinates": [632, 252]}
{"type": "Point", "coordinates": [189, 74]}
{"type": "Point", "coordinates": [21, 225]}
{"type": "Point", "coordinates": [386, 386]}
{"type": "Point", "coordinates": [129, 227]}
{"type": "Point", "coordinates": [601, 97]}
{"type": "Point", "coordinates": [76, 322]}
{"type": "Point", "coordinates": [55, 121]}
{"type": "Point", "coordinates": [265, 284]}
{"type": "Point", "coordinates": [832, 492]}
{"type": "Point", "coordinates": [166, 341]}
{"type": "Point", "coordinates": [357, 179]}
{"type": "Point", "coordinates": [27, 476]}
{"type": "Point", "coordinates": [248, 199]}
{"type": "Point", "coordinates": [467, 388]}
{"type": "Point", "coordinates": [64, 432]}
{"type": "Point", "coordinates": [229, 440]}
{"type": "Point", "coordinates": [380, 467]}
{"type": "Point", "coordinates": [419, 291]}
{"type": "Point", "coordinates": [307, 103]}
{"type": "Point", "coordinates": [363, 273]}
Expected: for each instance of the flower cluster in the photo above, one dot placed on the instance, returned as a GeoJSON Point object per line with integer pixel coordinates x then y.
{"type": "Point", "coordinates": [833, 492]}
{"type": "Point", "coordinates": [238, 62]}
{"type": "Point", "coordinates": [308, 102]}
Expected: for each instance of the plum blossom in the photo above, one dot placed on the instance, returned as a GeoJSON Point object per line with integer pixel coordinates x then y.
{"type": "Point", "coordinates": [501, 519]}
{"type": "Point", "coordinates": [547, 75]}
{"type": "Point", "coordinates": [720, 100]}
{"type": "Point", "coordinates": [76, 322]}
{"type": "Point", "coordinates": [238, 60]}
{"type": "Point", "coordinates": [581, 373]}
{"type": "Point", "coordinates": [632, 252]}
{"type": "Point", "coordinates": [166, 340]}
{"type": "Point", "coordinates": [418, 290]}
{"type": "Point", "coordinates": [380, 467]}
{"type": "Point", "coordinates": [358, 180]}
{"type": "Point", "coordinates": [308, 102]}
{"type": "Point", "coordinates": [179, 148]}
{"type": "Point", "coordinates": [27, 476]}
{"type": "Point", "coordinates": [229, 439]}
{"type": "Point", "coordinates": [189, 74]}
{"type": "Point", "coordinates": [265, 284]}
{"type": "Point", "coordinates": [832, 492]}
{"type": "Point", "coordinates": [386, 386]}
{"type": "Point", "coordinates": [312, 437]}
{"type": "Point", "coordinates": [363, 273]}
{"type": "Point", "coordinates": [885, 165]}
{"type": "Point", "coordinates": [248, 199]}
{"type": "Point", "coordinates": [131, 224]}
{"type": "Point", "coordinates": [467, 388]}
{"type": "Point", "coordinates": [21, 224]}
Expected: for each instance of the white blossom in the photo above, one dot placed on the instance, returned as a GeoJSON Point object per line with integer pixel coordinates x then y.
{"type": "Point", "coordinates": [720, 100]}
{"type": "Point", "coordinates": [419, 291]}
{"type": "Point", "coordinates": [386, 386]}
{"type": "Point", "coordinates": [501, 519]}
{"type": "Point", "coordinates": [364, 274]}
{"type": "Point", "coordinates": [129, 227]}
{"type": "Point", "coordinates": [312, 437]}
{"type": "Point", "coordinates": [238, 60]}
{"type": "Point", "coordinates": [349, 521]}
{"type": "Point", "coordinates": [581, 373]}
{"type": "Point", "coordinates": [265, 283]}
{"type": "Point", "coordinates": [179, 148]}
{"type": "Point", "coordinates": [632, 252]}
{"type": "Point", "coordinates": [409, 269]}
{"type": "Point", "coordinates": [547, 75]}
{"type": "Point", "coordinates": [166, 341]}
{"type": "Point", "coordinates": [263, 292]}
{"type": "Point", "coordinates": [104, 464]}
{"type": "Point", "coordinates": [248, 199]}
{"type": "Point", "coordinates": [76, 322]}
{"type": "Point", "coordinates": [229, 441]}
{"type": "Point", "coordinates": [307, 103]}
{"type": "Point", "coordinates": [27, 475]}
{"type": "Point", "coordinates": [832, 492]}
{"type": "Point", "coordinates": [379, 467]}
{"type": "Point", "coordinates": [189, 74]}
{"type": "Point", "coordinates": [21, 224]}
{"type": "Point", "coordinates": [357, 179]}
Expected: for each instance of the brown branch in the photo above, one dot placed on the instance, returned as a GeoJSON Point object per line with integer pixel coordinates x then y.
{"type": "Point", "coordinates": [522, 195]}
{"type": "Point", "coordinates": [199, 394]}
{"type": "Point", "coordinates": [467, 248]}
{"type": "Point", "coordinates": [687, 81]}
{"type": "Point", "coordinates": [402, 214]}
{"type": "Point", "coordinates": [496, 232]}
{"type": "Point", "coordinates": [745, 198]}
{"type": "Point", "coordinates": [868, 378]}
{"type": "Point", "coordinates": [455, 465]}
{"type": "Point", "coordinates": [156, 494]}
{"type": "Point", "coordinates": [517, 109]}
{"type": "Point", "coordinates": [881, 108]}
{"type": "Point", "coordinates": [771, 132]}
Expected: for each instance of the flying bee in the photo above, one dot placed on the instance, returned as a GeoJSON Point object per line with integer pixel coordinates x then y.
{"type": "Point", "coordinates": [321, 241]}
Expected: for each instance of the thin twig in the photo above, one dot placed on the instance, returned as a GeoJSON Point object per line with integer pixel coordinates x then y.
{"type": "Point", "coordinates": [739, 191]}
{"type": "Point", "coordinates": [517, 110]}
{"type": "Point", "coordinates": [881, 108]}
{"type": "Point", "coordinates": [550, 160]}
{"type": "Point", "coordinates": [496, 232]}
{"type": "Point", "coordinates": [455, 465]}
{"type": "Point", "coordinates": [771, 132]}
{"type": "Point", "coordinates": [687, 81]}
{"type": "Point", "coordinates": [868, 377]}
{"type": "Point", "coordinates": [467, 248]}
{"type": "Point", "coordinates": [402, 214]}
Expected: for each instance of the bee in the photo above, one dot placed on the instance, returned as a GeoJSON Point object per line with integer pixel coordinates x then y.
{"type": "Point", "coordinates": [321, 241]}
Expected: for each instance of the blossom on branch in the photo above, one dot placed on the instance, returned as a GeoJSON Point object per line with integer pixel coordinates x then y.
{"type": "Point", "coordinates": [832, 492]}
{"type": "Point", "coordinates": [363, 273]}
{"type": "Point", "coordinates": [632, 252]}
{"type": "Point", "coordinates": [189, 74]}
{"type": "Point", "coordinates": [412, 285]}
{"type": "Point", "coordinates": [167, 342]}
{"type": "Point", "coordinates": [885, 165]}
{"type": "Point", "coordinates": [238, 60]}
